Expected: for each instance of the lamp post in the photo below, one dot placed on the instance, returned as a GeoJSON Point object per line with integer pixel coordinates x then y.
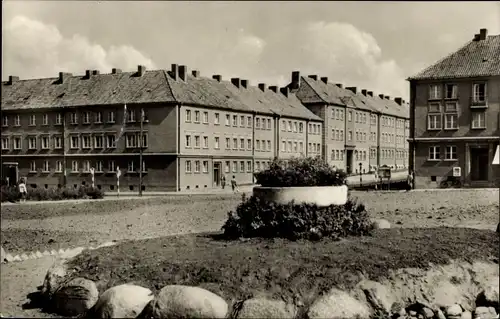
{"type": "Point", "coordinates": [360, 174]}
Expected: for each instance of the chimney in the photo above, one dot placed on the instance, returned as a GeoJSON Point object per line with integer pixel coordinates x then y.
{"type": "Point", "coordinates": [88, 74]}
{"type": "Point", "coordinates": [363, 91]}
{"type": "Point", "coordinates": [324, 80]}
{"type": "Point", "coordinates": [353, 89]}
{"type": "Point", "coordinates": [295, 79]}
{"type": "Point", "coordinates": [340, 85]}
{"type": "Point", "coordinates": [236, 82]}
{"type": "Point", "coordinates": [274, 88]}
{"type": "Point", "coordinates": [370, 93]}
{"type": "Point", "coordinates": [95, 72]}
{"type": "Point", "coordinates": [476, 37]}
{"type": "Point", "coordinates": [483, 33]}
{"type": "Point", "coordinates": [195, 73]}
{"type": "Point", "coordinates": [387, 97]}
{"type": "Point", "coordinates": [381, 96]}
{"type": "Point", "coordinates": [116, 71]}
{"type": "Point", "coordinates": [13, 79]}
{"type": "Point", "coordinates": [262, 87]}
{"type": "Point", "coordinates": [63, 76]}
{"type": "Point", "coordinates": [314, 77]}
{"type": "Point", "coordinates": [141, 69]}
{"type": "Point", "coordinates": [174, 71]}
{"type": "Point", "coordinates": [284, 91]}
{"type": "Point", "coordinates": [244, 83]}
{"type": "Point", "coordinates": [398, 100]}
{"type": "Point", "coordinates": [218, 78]}
{"type": "Point", "coordinates": [183, 72]}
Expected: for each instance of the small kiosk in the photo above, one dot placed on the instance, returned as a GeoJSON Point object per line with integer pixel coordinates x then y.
{"type": "Point", "coordinates": [384, 173]}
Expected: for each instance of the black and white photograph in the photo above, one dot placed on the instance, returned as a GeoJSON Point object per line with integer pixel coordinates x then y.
{"type": "Point", "coordinates": [250, 159]}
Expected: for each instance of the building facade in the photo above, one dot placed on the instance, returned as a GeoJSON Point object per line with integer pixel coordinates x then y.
{"type": "Point", "coordinates": [455, 110]}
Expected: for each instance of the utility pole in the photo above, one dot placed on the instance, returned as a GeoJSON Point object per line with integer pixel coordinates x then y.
{"type": "Point", "coordinates": [140, 152]}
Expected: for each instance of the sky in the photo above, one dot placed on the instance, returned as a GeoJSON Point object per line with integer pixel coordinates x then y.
{"type": "Point", "coordinates": [369, 45]}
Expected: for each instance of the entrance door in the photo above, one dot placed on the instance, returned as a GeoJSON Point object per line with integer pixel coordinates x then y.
{"type": "Point", "coordinates": [9, 173]}
{"type": "Point", "coordinates": [349, 161]}
{"type": "Point", "coordinates": [479, 164]}
{"type": "Point", "coordinates": [217, 173]}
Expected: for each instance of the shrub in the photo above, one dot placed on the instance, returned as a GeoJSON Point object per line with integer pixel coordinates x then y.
{"type": "Point", "coordinates": [10, 194]}
{"type": "Point", "coordinates": [303, 171]}
{"type": "Point", "coordinates": [259, 218]}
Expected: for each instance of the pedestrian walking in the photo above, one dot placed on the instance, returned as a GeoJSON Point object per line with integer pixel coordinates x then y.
{"type": "Point", "coordinates": [234, 185]}
{"type": "Point", "coordinates": [22, 190]}
{"type": "Point", "coordinates": [223, 181]}
{"type": "Point", "coordinates": [409, 181]}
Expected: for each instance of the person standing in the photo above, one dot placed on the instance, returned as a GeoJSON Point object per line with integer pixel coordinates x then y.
{"type": "Point", "coordinates": [409, 181]}
{"type": "Point", "coordinates": [234, 185]}
{"type": "Point", "coordinates": [223, 181]}
{"type": "Point", "coordinates": [23, 190]}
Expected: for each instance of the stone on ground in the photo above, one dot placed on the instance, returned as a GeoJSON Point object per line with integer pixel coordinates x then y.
{"type": "Point", "coordinates": [178, 301]}
{"type": "Point", "coordinates": [466, 315]}
{"type": "Point", "coordinates": [266, 308]}
{"type": "Point", "coordinates": [75, 297]}
{"type": "Point", "coordinates": [123, 301]}
{"type": "Point", "coordinates": [381, 224]}
{"type": "Point", "coordinates": [453, 311]}
{"type": "Point", "coordinates": [337, 304]}
{"type": "Point", "coordinates": [55, 275]}
{"type": "Point", "coordinates": [377, 295]}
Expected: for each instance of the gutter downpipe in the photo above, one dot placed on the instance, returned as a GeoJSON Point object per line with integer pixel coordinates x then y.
{"type": "Point", "coordinates": [412, 132]}
{"type": "Point", "coordinates": [253, 146]}
{"type": "Point", "coordinates": [177, 132]}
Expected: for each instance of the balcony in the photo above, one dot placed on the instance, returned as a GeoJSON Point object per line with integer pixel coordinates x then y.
{"type": "Point", "coordinates": [478, 102]}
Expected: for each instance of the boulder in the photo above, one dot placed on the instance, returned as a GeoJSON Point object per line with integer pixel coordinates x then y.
{"type": "Point", "coordinates": [427, 313]}
{"type": "Point", "coordinates": [454, 311]}
{"type": "Point", "coordinates": [177, 301]}
{"type": "Point", "coordinates": [440, 314]}
{"type": "Point", "coordinates": [482, 312]}
{"type": "Point", "coordinates": [266, 308]}
{"type": "Point", "coordinates": [489, 297]}
{"type": "Point", "coordinates": [75, 297]}
{"type": "Point", "coordinates": [53, 278]}
{"type": "Point", "coordinates": [377, 295]}
{"type": "Point", "coordinates": [123, 301]}
{"type": "Point", "coordinates": [337, 304]}
{"type": "Point", "coordinates": [466, 315]}
{"type": "Point", "coordinates": [381, 224]}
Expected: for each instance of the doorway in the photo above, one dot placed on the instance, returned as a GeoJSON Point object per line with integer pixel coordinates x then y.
{"type": "Point", "coordinates": [349, 161]}
{"type": "Point", "coordinates": [9, 174]}
{"type": "Point", "coordinates": [479, 164]}
{"type": "Point", "coordinates": [217, 173]}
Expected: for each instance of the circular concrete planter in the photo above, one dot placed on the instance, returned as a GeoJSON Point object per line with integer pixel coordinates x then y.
{"type": "Point", "coordinates": [319, 195]}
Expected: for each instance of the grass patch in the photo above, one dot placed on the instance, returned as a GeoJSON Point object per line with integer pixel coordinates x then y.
{"type": "Point", "coordinates": [281, 268]}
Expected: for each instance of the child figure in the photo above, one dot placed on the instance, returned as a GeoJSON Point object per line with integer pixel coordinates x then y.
{"type": "Point", "coordinates": [234, 185]}
{"type": "Point", "coordinates": [22, 190]}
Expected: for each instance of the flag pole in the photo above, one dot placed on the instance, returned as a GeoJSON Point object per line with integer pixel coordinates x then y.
{"type": "Point", "coordinates": [140, 152]}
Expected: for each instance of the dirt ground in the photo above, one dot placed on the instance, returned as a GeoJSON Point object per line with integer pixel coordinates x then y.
{"type": "Point", "coordinates": [49, 226]}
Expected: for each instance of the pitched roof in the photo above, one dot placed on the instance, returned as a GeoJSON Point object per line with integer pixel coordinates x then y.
{"type": "Point", "coordinates": [476, 58]}
{"type": "Point", "coordinates": [156, 86]}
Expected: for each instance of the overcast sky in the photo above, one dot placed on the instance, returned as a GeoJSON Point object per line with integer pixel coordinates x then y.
{"type": "Point", "coordinates": [372, 45]}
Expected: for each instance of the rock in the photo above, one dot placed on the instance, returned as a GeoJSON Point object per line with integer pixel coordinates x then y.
{"type": "Point", "coordinates": [489, 297]}
{"type": "Point", "coordinates": [265, 308]}
{"type": "Point", "coordinates": [123, 301]}
{"type": "Point", "coordinates": [454, 311]}
{"type": "Point", "coordinates": [53, 278]}
{"type": "Point", "coordinates": [412, 313]}
{"type": "Point", "coordinates": [337, 304]}
{"type": "Point", "coordinates": [427, 313]}
{"type": "Point", "coordinates": [177, 301]}
{"type": "Point", "coordinates": [482, 312]}
{"type": "Point", "coordinates": [466, 315]}
{"type": "Point", "coordinates": [3, 254]}
{"type": "Point", "coordinates": [377, 295]}
{"type": "Point", "coordinates": [75, 297]}
{"type": "Point", "coordinates": [440, 314]}
{"type": "Point", "coordinates": [398, 309]}
{"type": "Point", "coordinates": [381, 224]}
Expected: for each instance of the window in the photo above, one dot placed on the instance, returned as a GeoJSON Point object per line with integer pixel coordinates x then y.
{"type": "Point", "coordinates": [5, 120]}
{"type": "Point", "coordinates": [479, 92]}
{"type": "Point", "coordinates": [205, 166]}
{"type": "Point", "coordinates": [17, 143]}
{"type": "Point", "coordinates": [45, 119]}
{"type": "Point", "coordinates": [197, 116]}
{"type": "Point", "coordinates": [242, 143]}
{"type": "Point", "coordinates": [242, 166]}
{"type": "Point", "coordinates": [434, 92]}
{"type": "Point", "coordinates": [130, 116]}
{"type": "Point", "coordinates": [73, 118]}
{"type": "Point", "coordinates": [235, 167]}
{"type": "Point", "coordinates": [98, 166]}
{"type": "Point", "coordinates": [301, 146]}
{"type": "Point", "coordinates": [257, 123]}
{"type": "Point", "coordinates": [33, 166]}
{"type": "Point", "coordinates": [269, 124]}
{"type": "Point", "coordinates": [283, 146]}
{"type": "Point", "coordinates": [197, 141]}
{"type": "Point", "coordinates": [249, 121]}
{"type": "Point", "coordinates": [451, 121]}
{"type": "Point", "coordinates": [32, 120]}
{"type": "Point", "coordinates": [188, 141]}
{"type": "Point", "coordinates": [46, 166]}
{"type": "Point", "coordinates": [235, 143]}
{"type": "Point", "coordinates": [58, 119]}
{"type": "Point", "coordinates": [242, 121]}
{"type": "Point", "coordinates": [98, 141]}
{"type": "Point", "coordinates": [110, 141]}
{"type": "Point", "coordinates": [301, 127]}
{"type": "Point", "coordinates": [450, 153]}
{"type": "Point", "coordinates": [295, 128]}
{"type": "Point", "coordinates": [217, 119]}
{"type": "Point", "coordinates": [98, 117]}
{"type": "Point", "coordinates": [228, 120]}
{"type": "Point", "coordinates": [295, 147]}
{"type": "Point", "coordinates": [269, 145]}
{"type": "Point", "coordinates": [235, 120]}
{"type": "Point", "coordinates": [434, 122]}
{"type": "Point", "coordinates": [130, 166]}
{"type": "Point", "coordinates": [17, 120]}
{"type": "Point", "coordinates": [205, 141]}
{"type": "Point", "coordinates": [227, 167]}
{"type": "Point", "coordinates": [257, 145]}
{"type": "Point", "coordinates": [144, 166]}
{"type": "Point", "coordinates": [32, 143]}
{"type": "Point", "coordinates": [478, 120]}
{"type": "Point", "coordinates": [75, 142]}
{"type": "Point", "coordinates": [249, 166]}
{"type": "Point", "coordinates": [111, 117]}
{"type": "Point", "coordinates": [74, 166]}
{"type": "Point", "coordinates": [131, 141]}
{"type": "Point", "coordinates": [216, 142]}
{"type": "Point", "coordinates": [5, 143]}
{"type": "Point", "coordinates": [111, 166]}
{"type": "Point", "coordinates": [349, 136]}
{"type": "Point", "coordinates": [249, 144]}
{"type": "Point", "coordinates": [188, 116]}
{"type": "Point", "coordinates": [205, 117]}
{"type": "Point", "coordinates": [228, 143]}
{"type": "Point", "coordinates": [289, 147]}
{"type": "Point", "coordinates": [59, 167]}
{"type": "Point", "coordinates": [86, 118]}
{"type": "Point", "coordinates": [86, 144]}
{"type": "Point", "coordinates": [289, 126]}
{"type": "Point", "coordinates": [434, 153]}
{"type": "Point", "coordinates": [45, 142]}
{"type": "Point", "coordinates": [349, 116]}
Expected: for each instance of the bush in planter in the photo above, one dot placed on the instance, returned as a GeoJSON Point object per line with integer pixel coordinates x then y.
{"type": "Point", "coordinates": [300, 172]}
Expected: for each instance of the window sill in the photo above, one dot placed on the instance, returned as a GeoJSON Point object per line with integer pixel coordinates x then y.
{"type": "Point", "coordinates": [451, 129]}
{"type": "Point", "coordinates": [433, 160]}
{"type": "Point", "coordinates": [109, 122]}
{"type": "Point", "coordinates": [97, 122]}
{"type": "Point", "coordinates": [450, 160]}
{"type": "Point", "coordinates": [32, 172]}
{"type": "Point", "coordinates": [45, 172]}
{"type": "Point", "coordinates": [434, 129]}
{"type": "Point", "coordinates": [478, 128]}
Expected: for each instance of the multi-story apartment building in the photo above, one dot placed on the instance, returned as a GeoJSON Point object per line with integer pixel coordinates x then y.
{"type": "Point", "coordinates": [455, 107]}
{"type": "Point", "coordinates": [361, 131]}
{"type": "Point", "coordinates": [195, 129]}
